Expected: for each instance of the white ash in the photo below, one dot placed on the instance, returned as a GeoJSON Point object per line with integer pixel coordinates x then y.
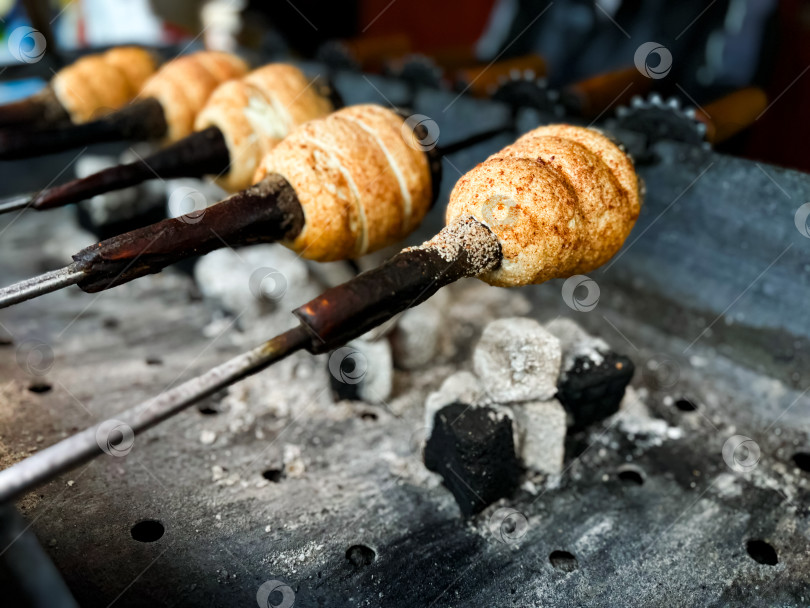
{"type": "Point", "coordinates": [542, 428]}
{"type": "Point", "coordinates": [288, 562]}
{"type": "Point", "coordinates": [64, 240]}
{"type": "Point", "coordinates": [517, 360]}
{"type": "Point", "coordinates": [471, 236]}
{"type": "Point", "coordinates": [461, 387]}
{"type": "Point", "coordinates": [416, 336]}
{"type": "Point", "coordinates": [576, 343]}
{"type": "Point", "coordinates": [331, 274]}
{"type": "Point", "coordinates": [410, 468]}
{"type": "Point", "coordinates": [727, 485]}
{"type": "Point", "coordinates": [220, 323]}
{"type": "Point", "coordinates": [635, 421]}
{"type": "Point", "coordinates": [470, 304]}
{"type": "Point", "coordinates": [372, 369]}
{"type": "Point", "coordinates": [221, 476]}
{"type": "Point", "coordinates": [380, 332]}
{"type": "Point", "coordinates": [259, 284]}
{"type": "Point", "coordinates": [207, 437]}
{"type": "Point", "coordinates": [121, 204]}
{"type": "Point", "coordinates": [264, 404]}
{"type": "Point", "coordinates": [190, 195]}
{"type": "Point", "coordinates": [294, 465]}
{"type": "Point", "coordinates": [593, 535]}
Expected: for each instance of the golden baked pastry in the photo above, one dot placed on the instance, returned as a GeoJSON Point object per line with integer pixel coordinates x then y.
{"type": "Point", "coordinates": [561, 200]}
{"type": "Point", "coordinates": [361, 186]}
{"type": "Point", "coordinates": [256, 112]}
{"type": "Point", "coordinates": [98, 84]}
{"type": "Point", "coordinates": [184, 85]}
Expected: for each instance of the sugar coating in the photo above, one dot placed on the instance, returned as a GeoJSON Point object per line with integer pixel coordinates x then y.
{"type": "Point", "coordinates": [517, 360]}
{"type": "Point", "coordinates": [468, 235]}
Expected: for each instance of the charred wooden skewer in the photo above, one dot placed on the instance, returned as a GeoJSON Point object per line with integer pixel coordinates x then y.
{"type": "Point", "coordinates": [232, 135]}
{"type": "Point", "coordinates": [241, 122]}
{"type": "Point", "coordinates": [207, 152]}
{"type": "Point", "coordinates": [165, 109]}
{"type": "Point", "coordinates": [395, 178]}
{"type": "Point", "coordinates": [85, 90]}
{"type": "Point", "coordinates": [560, 201]}
{"type": "Point", "coordinates": [335, 188]}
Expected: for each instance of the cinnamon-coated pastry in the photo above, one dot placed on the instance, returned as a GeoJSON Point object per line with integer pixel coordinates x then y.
{"type": "Point", "coordinates": [256, 112]}
{"type": "Point", "coordinates": [98, 84]}
{"type": "Point", "coordinates": [184, 85]}
{"type": "Point", "coordinates": [360, 184]}
{"type": "Point", "coordinates": [136, 63]}
{"type": "Point", "coordinates": [561, 200]}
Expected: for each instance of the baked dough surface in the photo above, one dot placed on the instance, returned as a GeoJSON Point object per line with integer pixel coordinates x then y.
{"type": "Point", "coordinates": [361, 186]}
{"type": "Point", "coordinates": [96, 85]}
{"type": "Point", "coordinates": [561, 200]}
{"type": "Point", "coordinates": [256, 112]}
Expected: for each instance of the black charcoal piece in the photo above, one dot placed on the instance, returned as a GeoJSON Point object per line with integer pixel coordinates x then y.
{"type": "Point", "coordinates": [591, 392]}
{"type": "Point", "coordinates": [473, 450]}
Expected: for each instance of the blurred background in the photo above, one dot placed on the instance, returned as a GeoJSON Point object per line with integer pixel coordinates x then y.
{"type": "Point", "coordinates": [716, 46]}
{"type": "Point", "coordinates": [708, 299]}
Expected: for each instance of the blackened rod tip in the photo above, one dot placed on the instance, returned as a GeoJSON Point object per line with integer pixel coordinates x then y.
{"type": "Point", "coordinates": [18, 203]}
{"type": "Point", "coordinates": [39, 285]}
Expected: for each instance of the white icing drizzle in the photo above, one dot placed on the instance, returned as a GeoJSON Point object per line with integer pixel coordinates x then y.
{"type": "Point", "coordinates": [403, 187]}
{"type": "Point", "coordinates": [267, 115]}
{"type": "Point", "coordinates": [333, 156]}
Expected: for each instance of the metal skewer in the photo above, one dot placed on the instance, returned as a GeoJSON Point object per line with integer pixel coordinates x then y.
{"type": "Point", "coordinates": [16, 203]}
{"type": "Point", "coordinates": [37, 286]}
{"type": "Point", "coordinates": [463, 249]}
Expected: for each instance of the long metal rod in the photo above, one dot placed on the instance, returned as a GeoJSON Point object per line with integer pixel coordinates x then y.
{"type": "Point", "coordinates": [17, 203]}
{"type": "Point", "coordinates": [102, 438]}
{"type": "Point", "coordinates": [35, 576]}
{"type": "Point", "coordinates": [39, 285]}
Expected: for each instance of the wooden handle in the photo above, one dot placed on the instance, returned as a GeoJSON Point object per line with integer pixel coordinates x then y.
{"type": "Point", "coordinates": [731, 114]}
{"type": "Point", "coordinates": [481, 80]}
{"type": "Point", "coordinates": [372, 52]}
{"type": "Point", "coordinates": [590, 97]}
